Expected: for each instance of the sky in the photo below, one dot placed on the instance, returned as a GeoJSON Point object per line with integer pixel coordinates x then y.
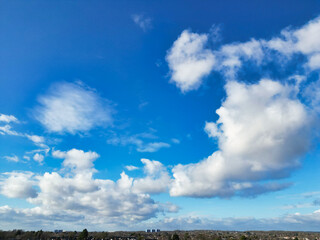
{"type": "Point", "coordinates": [128, 115]}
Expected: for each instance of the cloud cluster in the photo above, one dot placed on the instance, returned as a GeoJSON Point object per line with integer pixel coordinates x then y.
{"type": "Point", "coordinates": [77, 194]}
{"type": "Point", "coordinates": [190, 61]}
{"type": "Point", "coordinates": [262, 131]}
{"type": "Point", "coordinates": [264, 126]}
{"type": "Point", "coordinates": [72, 108]}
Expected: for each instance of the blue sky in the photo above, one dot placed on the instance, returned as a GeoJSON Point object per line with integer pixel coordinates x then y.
{"type": "Point", "coordinates": [128, 115]}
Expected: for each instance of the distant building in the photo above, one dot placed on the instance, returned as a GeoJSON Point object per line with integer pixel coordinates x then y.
{"type": "Point", "coordinates": [152, 230]}
{"type": "Point", "coordinates": [58, 231]}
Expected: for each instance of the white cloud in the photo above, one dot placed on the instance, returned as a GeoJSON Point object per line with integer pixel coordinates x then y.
{"type": "Point", "coordinates": [314, 61]}
{"type": "Point", "coordinates": [13, 158]}
{"type": "Point", "coordinates": [143, 22]}
{"type": "Point", "coordinates": [153, 147]}
{"type": "Point", "coordinates": [6, 129]}
{"type": "Point", "coordinates": [8, 118]}
{"type": "Point", "coordinates": [131, 168]}
{"type": "Point", "coordinates": [189, 61]}
{"type": "Point", "coordinates": [78, 197]}
{"type": "Point", "coordinates": [35, 138]}
{"type": "Point", "coordinates": [38, 158]}
{"type": "Point", "coordinates": [262, 131]}
{"type": "Point", "coordinates": [306, 38]}
{"type": "Point", "coordinates": [140, 141]}
{"type": "Point", "coordinates": [77, 160]}
{"type": "Point", "coordinates": [72, 108]}
{"type": "Point", "coordinates": [175, 140]}
{"type": "Point", "coordinates": [170, 207]}
{"type": "Point", "coordinates": [157, 178]}
{"type": "Point", "coordinates": [18, 185]}
{"type": "Point", "coordinates": [232, 55]}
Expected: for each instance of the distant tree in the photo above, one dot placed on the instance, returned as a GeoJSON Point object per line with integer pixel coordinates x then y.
{"type": "Point", "coordinates": [243, 237]}
{"type": "Point", "coordinates": [19, 232]}
{"type": "Point", "coordinates": [84, 234]}
{"type": "Point", "coordinates": [139, 237]}
{"type": "Point", "coordinates": [39, 234]}
{"type": "Point", "coordinates": [175, 237]}
{"type": "Point", "coordinates": [201, 236]}
{"type": "Point", "coordinates": [186, 236]}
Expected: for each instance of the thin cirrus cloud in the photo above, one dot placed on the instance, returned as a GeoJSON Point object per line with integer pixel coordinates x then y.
{"type": "Point", "coordinates": [8, 130]}
{"type": "Point", "coordinates": [143, 142]}
{"type": "Point", "coordinates": [143, 22]}
{"type": "Point", "coordinates": [72, 108]}
{"type": "Point", "coordinates": [13, 158]}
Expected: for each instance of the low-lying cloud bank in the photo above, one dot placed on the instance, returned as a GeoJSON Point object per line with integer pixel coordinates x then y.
{"type": "Point", "coordinates": [73, 194]}
{"type": "Point", "coordinates": [290, 222]}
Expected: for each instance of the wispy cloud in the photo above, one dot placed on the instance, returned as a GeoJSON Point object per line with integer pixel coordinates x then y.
{"type": "Point", "coordinates": [143, 22]}
{"type": "Point", "coordinates": [72, 108]}
{"type": "Point", "coordinates": [143, 142]}
{"type": "Point", "coordinates": [131, 168]}
{"type": "Point", "coordinates": [8, 118]}
{"type": "Point", "coordinates": [8, 130]}
{"type": "Point", "coordinates": [12, 158]}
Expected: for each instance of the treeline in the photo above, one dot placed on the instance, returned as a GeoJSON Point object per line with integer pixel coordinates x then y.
{"type": "Point", "coordinates": [165, 235]}
{"type": "Point", "coordinates": [45, 235]}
